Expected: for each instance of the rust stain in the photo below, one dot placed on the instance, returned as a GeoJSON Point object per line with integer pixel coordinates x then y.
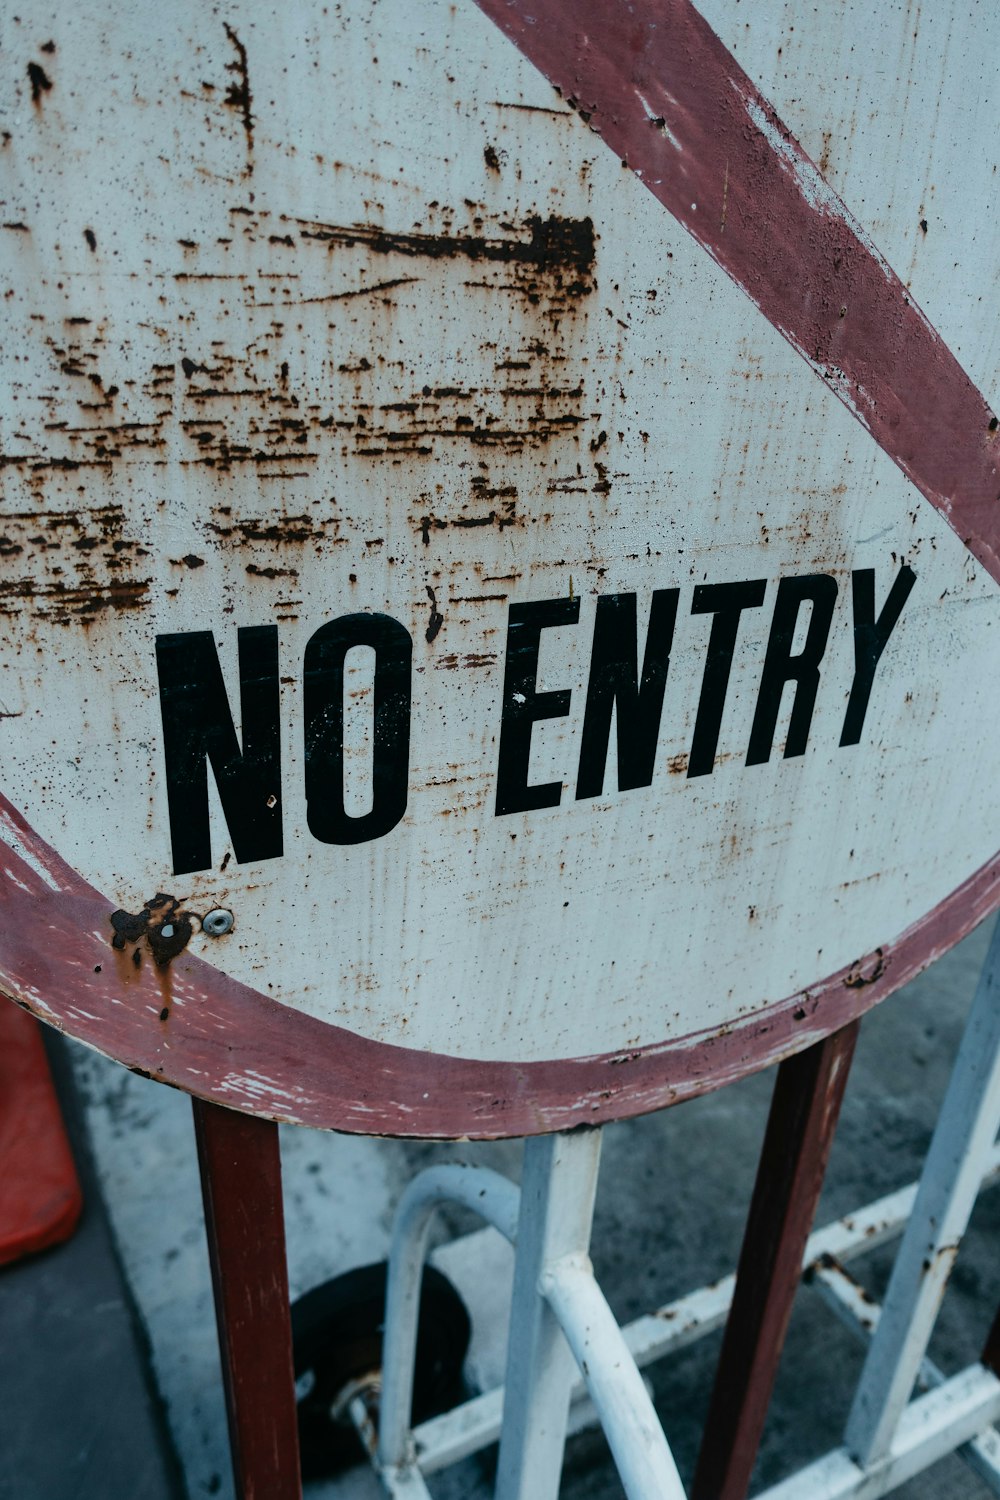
{"type": "Point", "coordinates": [532, 109]}
{"type": "Point", "coordinates": [270, 572]}
{"type": "Point", "coordinates": [360, 291]}
{"type": "Point", "coordinates": [161, 923]}
{"type": "Point", "coordinates": [238, 95]}
{"type": "Point", "coordinates": [257, 406]}
{"type": "Point", "coordinates": [856, 980]}
{"type": "Point", "coordinates": [70, 565]}
{"type": "Point", "coordinates": [824, 156]}
{"type": "Point", "coordinates": [469, 660]}
{"type": "Point", "coordinates": [251, 407]}
{"type": "Point", "coordinates": [250, 529]}
{"type": "Point", "coordinates": [40, 82]}
{"type": "Point", "coordinates": [502, 515]}
{"type": "Point", "coordinates": [553, 245]}
{"type": "Point", "coordinates": [64, 603]}
{"type": "Point", "coordinates": [436, 618]}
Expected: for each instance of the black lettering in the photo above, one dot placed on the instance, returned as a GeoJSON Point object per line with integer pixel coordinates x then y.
{"type": "Point", "coordinates": [323, 715]}
{"type": "Point", "coordinates": [870, 637]}
{"type": "Point", "coordinates": [523, 706]}
{"type": "Point", "coordinates": [198, 726]}
{"type": "Point", "coordinates": [726, 601]}
{"type": "Point", "coordinates": [614, 685]}
{"type": "Point", "coordinates": [780, 666]}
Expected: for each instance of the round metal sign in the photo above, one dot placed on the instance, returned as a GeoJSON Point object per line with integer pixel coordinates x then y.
{"type": "Point", "coordinates": [498, 573]}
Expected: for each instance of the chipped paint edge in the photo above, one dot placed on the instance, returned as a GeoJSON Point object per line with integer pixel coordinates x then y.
{"type": "Point", "coordinates": [241, 1049]}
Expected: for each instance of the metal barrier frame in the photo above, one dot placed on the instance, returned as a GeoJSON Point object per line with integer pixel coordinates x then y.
{"type": "Point", "coordinates": [564, 1340]}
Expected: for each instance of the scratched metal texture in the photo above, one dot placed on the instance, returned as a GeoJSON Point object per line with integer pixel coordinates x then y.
{"type": "Point", "coordinates": [310, 311]}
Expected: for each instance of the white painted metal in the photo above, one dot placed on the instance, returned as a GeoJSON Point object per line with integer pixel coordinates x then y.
{"type": "Point", "coordinates": [856, 1308]}
{"type": "Point", "coordinates": [400, 1481]}
{"type": "Point", "coordinates": [322, 403]}
{"type": "Point", "coordinates": [444, 1440]}
{"type": "Point", "coordinates": [558, 1184]}
{"type": "Point", "coordinates": [495, 1199]}
{"type": "Point", "coordinates": [964, 1137]}
{"type": "Point", "coordinates": [325, 1236]}
{"type": "Point", "coordinates": [405, 1484]}
{"type": "Point", "coordinates": [982, 1455]}
{"type": "Point", "coordinates": [640, 1450]}
{"type": "Point", "coordinates": [475, 1424]}
{"type": "Point", "coordinates": [931, 1426]}
{"type": "Point", "coordinates": [859, 1311]}
{"type": "Point", "coordinates": [876, 1223]}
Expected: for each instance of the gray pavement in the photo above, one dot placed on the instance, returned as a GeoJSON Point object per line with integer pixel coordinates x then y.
{"type": "Point", "coordinates": [670, 1212]}
{"type": "Point", "coordinates": [80, 1416]}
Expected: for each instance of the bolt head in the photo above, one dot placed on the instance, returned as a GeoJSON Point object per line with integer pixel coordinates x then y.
{"type": "Point", "coordinates": [217, 922]}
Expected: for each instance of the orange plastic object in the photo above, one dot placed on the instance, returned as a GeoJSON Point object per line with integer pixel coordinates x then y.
{"type": "Point", "coordinates": [40, 1197]}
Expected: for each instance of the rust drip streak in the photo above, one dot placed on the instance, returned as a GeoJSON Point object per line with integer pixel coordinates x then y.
{"type": "Point", "coordinates": [533, 109]}
{"type": "Point", "coordinates": [667, 97]}
{"type": "Point", "coordinates": [238, 95]}
{"type": "Point", "coordinates": [360, 291]}
{"type": "Point", "coordinates": [552, 243]}
{"type": "Point", "coordinates": [235, 455]}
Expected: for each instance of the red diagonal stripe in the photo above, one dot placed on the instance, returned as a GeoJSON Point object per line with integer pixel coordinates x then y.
{"type": "Point", "coordinates": [658, 86]}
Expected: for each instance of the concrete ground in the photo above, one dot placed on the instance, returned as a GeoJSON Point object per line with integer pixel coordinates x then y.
{"type": "Point", "coordinates": [109, 1383]}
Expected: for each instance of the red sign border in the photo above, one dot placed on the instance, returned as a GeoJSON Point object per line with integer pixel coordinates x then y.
{"type": "Point", "coordinates": [194, 1027]}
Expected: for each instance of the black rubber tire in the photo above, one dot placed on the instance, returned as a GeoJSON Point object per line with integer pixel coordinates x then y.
{"type": "Point", "coordinates": [337, 1338]}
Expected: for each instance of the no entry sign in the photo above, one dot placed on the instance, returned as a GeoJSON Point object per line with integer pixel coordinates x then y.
{"type": "Point", "coordinates": [498, 572]}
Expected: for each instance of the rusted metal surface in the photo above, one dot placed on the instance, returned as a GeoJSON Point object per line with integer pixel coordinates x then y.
{"type": "Point", "coordinates": [368, 476]}
{"type": "Point", "coordinates": [241, 1186]}
{"type": "Point", "coordinates": [808, 1093]}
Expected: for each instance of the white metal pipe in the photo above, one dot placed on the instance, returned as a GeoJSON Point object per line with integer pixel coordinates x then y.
{"type": "Point", "coordinates": [859, 1312]}
{"type": "Point", "coordinates": [470, 1427]}
{"type": "Point", "coordinates": [963, 1139]}
{"type": "Point", "coordinates": [930, 1427]}
{"type": "Point", "coordinates": [676, 1325]}
{"type": "Point", "coordinates": [402, 1483]}
{"type": "Point", "coordinates": [557, 1203]}
{"type": "Point", "coordinates": [495, 1199]}
{"type": "Point", "coordinates": [475, 1424]}
{"type": "Point", "coordinates": [642, 1455]}
{"type": "Point", "coordinates": [982, 1455]}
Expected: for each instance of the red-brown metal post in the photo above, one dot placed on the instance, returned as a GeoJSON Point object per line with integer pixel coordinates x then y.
{"type": "Point", "coordinates": [990, 1356]}
{"type": "Point", "coordinates": [244, 1219]}
{"type": "Point", "coordinates": [807, 1096]}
